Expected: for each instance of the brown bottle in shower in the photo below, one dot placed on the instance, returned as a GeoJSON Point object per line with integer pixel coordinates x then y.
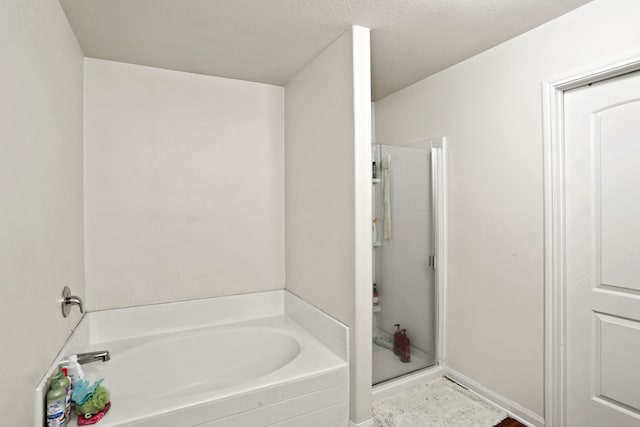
{"type": "Point", "coordinates": [404, 346]}
{"type": "Point", "coordinates": [396, 340]}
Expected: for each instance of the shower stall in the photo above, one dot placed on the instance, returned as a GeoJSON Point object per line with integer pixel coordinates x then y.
{"type": "Point", "coordinates": [408, 250]}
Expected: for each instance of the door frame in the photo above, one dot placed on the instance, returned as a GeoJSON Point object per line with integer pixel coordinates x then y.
{"type": "Point", "coordinates": [554, 231]}
{"type": "Point", "coordinates": [439, 209]}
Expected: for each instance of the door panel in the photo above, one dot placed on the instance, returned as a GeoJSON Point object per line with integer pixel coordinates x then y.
{"type": "Point", "coordinates": [618, 369]}
{"type": "Point", "coordinates": [602, 223]}
{"type": "Point", "coordinates": [618, 141]}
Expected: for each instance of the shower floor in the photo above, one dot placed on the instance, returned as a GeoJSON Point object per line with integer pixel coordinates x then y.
{"type": "Point", "coordinates": [387, 365]}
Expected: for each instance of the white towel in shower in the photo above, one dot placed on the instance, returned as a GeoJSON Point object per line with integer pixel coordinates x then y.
{"type": "Point", "coordinates": [386, 226]}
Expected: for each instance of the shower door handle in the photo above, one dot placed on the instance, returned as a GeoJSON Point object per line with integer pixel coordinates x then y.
{"type": "Point", "coordinates": [432, 261]}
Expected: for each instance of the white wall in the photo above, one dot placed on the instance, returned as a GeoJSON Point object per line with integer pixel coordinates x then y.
{"type": "Point", "coordinates": [41, 188]}
{"type": "Point", "coordinates": [183, 185]}
{"type": "Point", "coordinates": [490, 109]}
{"type": "Point", "coordinates": [328, 188]}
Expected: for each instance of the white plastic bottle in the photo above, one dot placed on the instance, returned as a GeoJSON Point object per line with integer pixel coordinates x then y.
{"type": "Point", "coordinates": [74, 370]}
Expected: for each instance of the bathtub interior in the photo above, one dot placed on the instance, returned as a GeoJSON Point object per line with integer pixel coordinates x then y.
{"type": "Point", "coordinates": [196, 361]}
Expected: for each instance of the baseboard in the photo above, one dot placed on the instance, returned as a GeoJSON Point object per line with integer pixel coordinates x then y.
{"type": "Point", "coordinates": [367, 423]}
{"type": "Point", "coordinates": [514, 409]}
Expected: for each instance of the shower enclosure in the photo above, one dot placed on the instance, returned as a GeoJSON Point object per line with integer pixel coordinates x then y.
{"type": "Point", "coordinates": [407, 219]}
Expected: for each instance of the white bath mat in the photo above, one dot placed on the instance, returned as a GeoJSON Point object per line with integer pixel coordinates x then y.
{"type": "Point", "coordinates": [440, 403]}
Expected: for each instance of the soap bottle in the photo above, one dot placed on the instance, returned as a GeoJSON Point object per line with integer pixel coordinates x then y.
{"type": "Point", "coordinates": [404, 347]}
{"type": "Point", "coordinates": [374, 231]}
{"type": "Point", "coordinates": [56, 404]}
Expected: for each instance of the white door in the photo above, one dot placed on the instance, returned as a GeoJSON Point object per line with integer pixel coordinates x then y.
{"type": "Point", "coordinates": [602, 208]}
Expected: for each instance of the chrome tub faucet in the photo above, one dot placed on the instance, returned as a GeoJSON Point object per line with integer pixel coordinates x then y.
{"type": "Point", "coordinates": [93, 356]}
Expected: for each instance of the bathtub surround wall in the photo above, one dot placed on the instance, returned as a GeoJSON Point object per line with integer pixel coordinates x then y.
{"type": "Point", "coordinates": [41, 188]}
{"type": "Point", "coordinates": [490, 108]}
{"type": "Point", "coordinates": [183, 185]}
{"type": "Point", "coordinates": [328, 190]}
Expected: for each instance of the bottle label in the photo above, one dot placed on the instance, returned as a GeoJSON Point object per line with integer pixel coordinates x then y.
{"type": "Point", "coordinates": [56, 413]}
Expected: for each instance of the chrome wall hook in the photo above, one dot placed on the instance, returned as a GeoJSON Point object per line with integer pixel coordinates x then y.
{"type": "Point", "coordinates": [68, 300]}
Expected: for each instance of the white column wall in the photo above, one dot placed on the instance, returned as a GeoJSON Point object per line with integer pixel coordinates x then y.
{"type": "Point", "coordinates": [328, 190]}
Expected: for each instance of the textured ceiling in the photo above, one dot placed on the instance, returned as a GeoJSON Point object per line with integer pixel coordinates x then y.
{"type": "Point", "coordinates": [270, 41]}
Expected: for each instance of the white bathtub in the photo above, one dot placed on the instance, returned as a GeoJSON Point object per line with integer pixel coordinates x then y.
{"type": "Point", "coordinates": [261, 368]}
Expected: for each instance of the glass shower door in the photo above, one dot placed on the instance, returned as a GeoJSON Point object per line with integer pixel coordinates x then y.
{"type": "Point", "coordinates": [403, 257]}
